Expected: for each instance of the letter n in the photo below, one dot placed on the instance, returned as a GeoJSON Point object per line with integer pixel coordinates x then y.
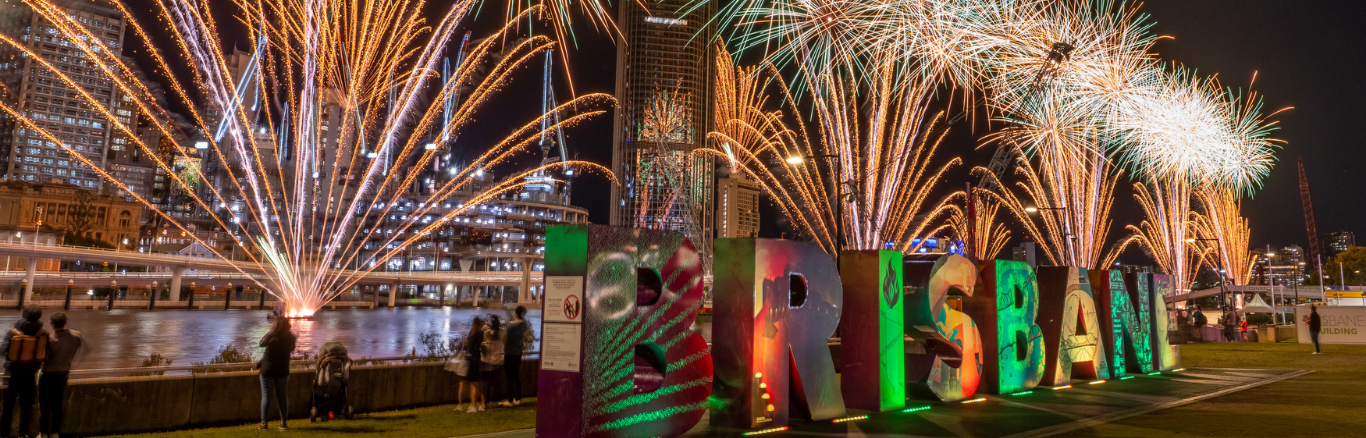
{"type": "Point", "coordinates": [872, 331]}
{"type": "Point", "coordinates": [1122, 328]}
{"type": "Point", "coordinates": [1166, 355]}
{"type": "Point", "coordinates": [641, 371]}
{"type": "Point", "coordinates": [776, 304]}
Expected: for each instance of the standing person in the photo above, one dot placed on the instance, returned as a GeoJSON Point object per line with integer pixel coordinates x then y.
{"type": "Point", "coordinates": [1198, 322]}
{"type": "Point", "coordinates": [513, 345]}
{"type": "Point", "coordinates": [1230, 322]}
{"type": "Point", "coordinates": [494, 335]}
{"type": "Point", "coordinates": [474, 349]}
{"type": "Point", "coordinates": [1314, 325]}
{"type": "Point", "coordinates": [62, 351]}
{"type": "Point", "coordinates": [25, 348]}
{"type": "Point", "coordinates": [279, 344]}
{"type": "Point", "coordinates": [1242, 326]}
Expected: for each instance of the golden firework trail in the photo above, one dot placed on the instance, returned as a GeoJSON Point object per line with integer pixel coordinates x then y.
{"type": "Point", "coordinates": [303, 211]}
{"type": "Point", "coordinates": [984, 234]}
{"type": "Point", "coordinates": [1221, 228]}
{"type": "Point", "coordinates": [875, 154]}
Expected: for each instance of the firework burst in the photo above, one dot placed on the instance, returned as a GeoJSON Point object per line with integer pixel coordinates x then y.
{"type": "Point", "coordinates": [1223, 231]}
{"type": "Point", "coordinates": [374, 62]}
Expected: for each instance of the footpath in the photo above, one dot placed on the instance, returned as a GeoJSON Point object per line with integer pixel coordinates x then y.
{"type": "Point", "coordinates": [1232, 390]}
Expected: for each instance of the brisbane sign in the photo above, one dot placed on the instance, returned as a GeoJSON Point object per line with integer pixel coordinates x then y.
{"type": "Point", "coordinates": [946, 330]}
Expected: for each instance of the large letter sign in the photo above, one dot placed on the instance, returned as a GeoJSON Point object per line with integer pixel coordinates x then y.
{"type": "Point", "coordinates": [872, 331]}
{"type": "Point", "coordinates": [1071, 327]}
{"type": "Point", "coordinates": [776, 303]}
{"type": "Point", "coordinates": [1166, 355]}
{"type": "Point", "coordinates": [618, 357]}
{"type": "Point", "coordinates": [1005, 305]}
{"type": "Point", "coordinates": [951, 362]}
{"type": "Point", "coordinates": [1125, 332]}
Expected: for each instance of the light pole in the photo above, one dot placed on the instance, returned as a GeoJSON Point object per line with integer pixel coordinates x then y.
{"type": "Point", "coordinates": [1271, 281]}
{"type": "Point", "coordinates": [836, 168]}
{"type": "Point", "coordinates": [1066, 226]}
{"type": "Point", "coordinates": [1223, 281]}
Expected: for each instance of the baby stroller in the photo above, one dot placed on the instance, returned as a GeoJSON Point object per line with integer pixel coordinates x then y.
{"type": "Point", "coordinates": [330, 382]}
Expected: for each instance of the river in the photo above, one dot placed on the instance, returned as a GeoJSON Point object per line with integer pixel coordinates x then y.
{"type": "Point", "coordinates": [124, 337]}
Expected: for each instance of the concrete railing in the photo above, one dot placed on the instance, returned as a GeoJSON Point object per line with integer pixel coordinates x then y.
{"type": "Point", "coordinates": [162, 403]}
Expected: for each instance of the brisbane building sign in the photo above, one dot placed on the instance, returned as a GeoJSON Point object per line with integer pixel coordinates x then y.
{"type": "Point", "coordinates": [945, 330]}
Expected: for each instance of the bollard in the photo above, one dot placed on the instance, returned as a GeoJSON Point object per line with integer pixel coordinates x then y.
{"type": "Point", "coordinates": [115, 286]}
{"type": "Point", "coordinates": [191, 305]}
{"type": "Point", "coordinates": [23, 285]}
{"type": "Point", "coordinates": [227, 297]}
{"type": "Point", "coordinates": [262, 305]}
{"type": "Point", "coordinates": [151, 296]}
{"type": "Point", "coordinates": [67, 304]}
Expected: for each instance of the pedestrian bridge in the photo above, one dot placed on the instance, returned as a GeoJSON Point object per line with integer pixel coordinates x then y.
{"type": "Point", "coordinates": [207, 271]}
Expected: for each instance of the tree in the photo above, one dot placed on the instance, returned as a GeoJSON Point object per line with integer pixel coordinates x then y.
{"type": "Point", "coordinates": [1353, 266]}
{"type": "Point", "coordinates": [80, 217]}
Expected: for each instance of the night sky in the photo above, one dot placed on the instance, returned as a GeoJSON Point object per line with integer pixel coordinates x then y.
{"type": "Point", "coordinates": [1305, 55]}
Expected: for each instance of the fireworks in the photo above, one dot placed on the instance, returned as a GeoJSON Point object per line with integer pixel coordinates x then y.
{"type": "Point", "coordinates": [875, 158]}
{"type": "Point", "coordinates": [370, 65]}
{"type": "Point", "coordinates": [1221, 229]}
{"type": "Point", "coordinates": [983, 234]}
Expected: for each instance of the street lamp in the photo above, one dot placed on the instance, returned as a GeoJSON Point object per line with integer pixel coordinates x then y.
{"type": "Point", "coordinates": [839, 202]}
{"type": "Point", "coordinates": [1066, 224]}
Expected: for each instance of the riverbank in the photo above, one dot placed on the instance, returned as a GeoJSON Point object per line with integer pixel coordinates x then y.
{"type": "Point", "coordinates": [429, 422]}
{"type": "Point", "coordinates": [1318, 404]}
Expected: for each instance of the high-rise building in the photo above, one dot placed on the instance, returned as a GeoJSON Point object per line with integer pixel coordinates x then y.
{"type": "Point", "coordinates": [663, 91]}
{"type": "Point", "coordinates": [1287, 266]}
{"type": "Point", "coordinates": [53, 103]}
{"type": "Point", "coordinates": [1337, 241]}
{"type": "Point", "coordinates": [737, 207]}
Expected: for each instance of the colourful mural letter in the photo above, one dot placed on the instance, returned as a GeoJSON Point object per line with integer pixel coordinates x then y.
{"type": "Point", "coordinates": [1071, 327]}
{"type": "Point", "coordinates": [1005, 305]}
{"type": "Point", "coordinates": [1166, 355]}
{"type": "Point", "coordinates": [1123, 329]}
{"type": "Point", "coordinates": [618, 355]}
{"type": "Point", "coordinates": [949, 357]}
{"type": "Point", "coordinates": [872, 328]}
{"type": "Point", "coordinates": [776, 304]}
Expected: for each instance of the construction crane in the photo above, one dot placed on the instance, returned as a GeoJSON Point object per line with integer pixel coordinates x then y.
{"type": "Point", "coordinates": [1309, 226]}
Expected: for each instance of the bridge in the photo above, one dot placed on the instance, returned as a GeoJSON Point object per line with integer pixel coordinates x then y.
{"type": "Point", "coordinates": [216, 271]}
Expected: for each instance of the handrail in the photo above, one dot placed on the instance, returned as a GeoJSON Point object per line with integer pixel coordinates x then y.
{"type": "Point", "coordinates": [293, 363]}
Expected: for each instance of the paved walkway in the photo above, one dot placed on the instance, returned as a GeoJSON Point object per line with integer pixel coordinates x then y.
{"type": "Point", "coordinates": [1042, 412]}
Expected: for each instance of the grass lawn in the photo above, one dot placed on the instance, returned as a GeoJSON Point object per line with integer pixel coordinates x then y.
{"type": "Point", "coordinates": [429, 422]}
{"type": "Point", "coordinates": [1324, 403]}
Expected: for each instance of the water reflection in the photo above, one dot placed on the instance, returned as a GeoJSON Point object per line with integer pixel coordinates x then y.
{"type": "Point", "coordinates": [123, 338]}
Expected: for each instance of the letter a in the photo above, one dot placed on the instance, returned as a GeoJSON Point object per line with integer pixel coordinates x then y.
{"type": "Point", "coordinates": [1071, 327]}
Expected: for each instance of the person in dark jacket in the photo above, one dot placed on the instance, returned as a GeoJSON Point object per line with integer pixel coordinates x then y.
{"type": "Point", "coordinates": [474, 348]}
{"type": "Point", "coordinates": [23, 376]}
{"type": "Point", "coordinates": [1314, 325]}
{"type": "Point", "coordinates": [279, 344]}
{"type": "Point", "coordinates": [512, 355]}
{"type": "Point", "coordinates": [1198, 322]}
{"type": "Point", "coordinates": [61, 353]}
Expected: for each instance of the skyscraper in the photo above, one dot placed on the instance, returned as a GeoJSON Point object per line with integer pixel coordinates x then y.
{"type": "Point", "coordinates": [53, 102]}
{"type": "Point", "coordinates": [1337, 241]}
{"type": "Point", "coordinates": [664, 92]}
{"type": "Point", "coordinates": [737, 207]}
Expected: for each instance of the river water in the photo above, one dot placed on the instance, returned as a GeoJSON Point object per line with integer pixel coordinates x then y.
{"type": "Point", "coordinates": [123, 338]}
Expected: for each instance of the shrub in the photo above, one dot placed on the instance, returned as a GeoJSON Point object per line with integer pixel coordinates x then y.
{"type": "Point", "coordinates": [153, 360]}
{"type": "Point", "coordinates": [228, 354]}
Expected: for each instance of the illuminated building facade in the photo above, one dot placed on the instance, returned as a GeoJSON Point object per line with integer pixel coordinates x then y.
{"type": "Point", "coordinates": [50, 101]}
{"type": "Point", "coordinates": [737, 207]}
{"type": "Point", "coordinates": [663, 89]}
